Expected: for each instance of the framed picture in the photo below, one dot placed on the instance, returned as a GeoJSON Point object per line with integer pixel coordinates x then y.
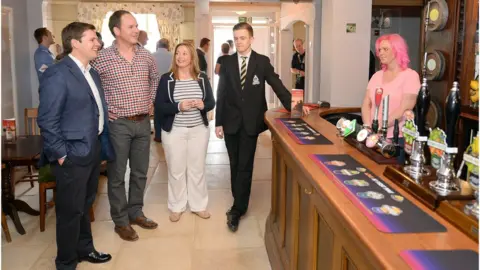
{"type": "Point", "coordinates": [351, 27]}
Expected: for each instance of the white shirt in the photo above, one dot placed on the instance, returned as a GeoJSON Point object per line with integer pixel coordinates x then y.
{"type": "Point", "coordinates": [240, 61]}
{"type": "Point", "coordinates": [93, 86]}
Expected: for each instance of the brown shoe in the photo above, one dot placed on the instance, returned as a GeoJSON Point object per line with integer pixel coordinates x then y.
{"type": "Point", "coordinates": [144, 223]}
{"type": "Point", "coordinates": [127, 233]}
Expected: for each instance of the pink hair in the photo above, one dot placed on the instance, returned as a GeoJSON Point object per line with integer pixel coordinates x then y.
{"type": "Point", "coordinates": [399, 49]}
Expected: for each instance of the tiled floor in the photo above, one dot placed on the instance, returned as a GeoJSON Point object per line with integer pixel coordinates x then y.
{"type": "Point", "coordinates": [192, 243]}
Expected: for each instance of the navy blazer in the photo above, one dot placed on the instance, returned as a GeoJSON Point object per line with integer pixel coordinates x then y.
{"type": "Point", "coordinates": [68, 115]}
{"type": "Point", "coordinates": [165, 105]}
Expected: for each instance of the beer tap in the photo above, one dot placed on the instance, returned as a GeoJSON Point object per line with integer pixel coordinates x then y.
{"type": "Point", "coordinates": [446, 174]}
{"type": "Point", "coordinates": [385, 116]}
{"type": "Point", "coordinates": [452, 112]}
{"type": "Point", "coordinates": [421, 108]}
{"type": "Point", "coordinates": [378, 99]}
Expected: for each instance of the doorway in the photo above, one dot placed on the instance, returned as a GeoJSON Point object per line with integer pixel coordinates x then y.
{"type": "Point", "coordinates": [9, 89]}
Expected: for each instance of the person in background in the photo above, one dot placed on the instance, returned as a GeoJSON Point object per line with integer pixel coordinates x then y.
{"type": "Point", "coordinates": [225, 50]}
{"type": "Point", "coordinates": [143, 38]}
{"type": "Point", "coordinates": [201, 53]}
{"type": "Point", "coordinates": [73, 117]}
{"type": "Point", "coordinates": [43, 57]}
{"type": "Point", "coordinates": [298, 64]}
{"type": "Point", "coordinates": [102, 44]}
{"type": "Point", "coordinates": [184, 97]}
{"type": "Point", "coordinates": [130, 79]}
{"type": "Point", "coordinates": [163, 59]}
{"type": "Point", "coordinates": [397, 80]}
{"type": "Point", "coordinates": [232, 47]}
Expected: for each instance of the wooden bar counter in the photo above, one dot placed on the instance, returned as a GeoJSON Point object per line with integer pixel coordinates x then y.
{"type": "Point", "coordinates": [313, 225]}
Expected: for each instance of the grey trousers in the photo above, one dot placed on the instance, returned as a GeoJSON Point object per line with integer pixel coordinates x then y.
{"type": "Point", "coordinates": [131, 141]}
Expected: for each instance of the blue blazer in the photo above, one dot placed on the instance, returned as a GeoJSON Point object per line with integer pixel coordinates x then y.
{"type": "Point", "coordinates": [68, 115]}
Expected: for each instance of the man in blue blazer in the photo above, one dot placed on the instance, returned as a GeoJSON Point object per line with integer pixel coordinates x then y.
{"type": "Point", "coordinates": [72, 116]}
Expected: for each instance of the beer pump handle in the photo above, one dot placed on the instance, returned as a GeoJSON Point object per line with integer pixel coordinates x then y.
{"type": "Point", "coordinates": [396, 132]}
{"type": "Point", "coordinates": [378, 100]}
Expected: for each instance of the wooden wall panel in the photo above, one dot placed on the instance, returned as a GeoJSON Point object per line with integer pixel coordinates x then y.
{"type": "Point", "coordinates": [444, 41]}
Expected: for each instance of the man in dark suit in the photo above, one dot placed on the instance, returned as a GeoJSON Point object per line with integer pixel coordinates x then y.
{"type": "Point", "coordinates": [241, 105]}
{"type": "Point", "coordinates": [73, 120]}
{"type": "Point", "coordinates": [201, 52]}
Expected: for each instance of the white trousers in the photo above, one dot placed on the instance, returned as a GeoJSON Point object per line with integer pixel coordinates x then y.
{"type": "Point", "coordinates": [185, 153]}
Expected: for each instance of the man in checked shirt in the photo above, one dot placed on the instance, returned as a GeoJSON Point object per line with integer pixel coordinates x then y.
{"type": "Point", "coordinates": [130, 79]}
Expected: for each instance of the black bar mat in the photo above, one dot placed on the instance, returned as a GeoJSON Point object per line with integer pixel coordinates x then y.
{"type": "Point", "coordinates": [388, 211]}
{"type": "Point", "coordinates": [441, 259]}
{"type": "Point", "coordinates": [302, 132]}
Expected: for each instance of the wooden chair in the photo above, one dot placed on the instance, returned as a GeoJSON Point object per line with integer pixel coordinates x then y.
{"type": "Point", "coordinates": [6, 231]}
{"type": "Point", "coordinates": [31, 128]}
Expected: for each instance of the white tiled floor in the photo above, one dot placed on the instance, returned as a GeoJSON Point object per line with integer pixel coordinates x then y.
{"type": "Point", "coordinates": [192, 243]}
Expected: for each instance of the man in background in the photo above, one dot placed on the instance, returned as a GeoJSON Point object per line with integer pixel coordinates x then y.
{"type": "Point", "coordinates": [163, 59]}
{"type": "Point", "coordinates": [142, 38]}
{"type": "Point", "coordinates": [201, 52]}
{"type": "Point", "coordinates": [43, 57]}
{"type": "Point", "coordinates": [298, 64]}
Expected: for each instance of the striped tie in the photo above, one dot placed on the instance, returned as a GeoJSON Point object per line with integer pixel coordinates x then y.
{"type": "Point", "coordinates": [243, 71]}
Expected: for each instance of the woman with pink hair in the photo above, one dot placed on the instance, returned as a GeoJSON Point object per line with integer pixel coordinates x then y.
{"type": "Point", "coordinates": [396, 79]}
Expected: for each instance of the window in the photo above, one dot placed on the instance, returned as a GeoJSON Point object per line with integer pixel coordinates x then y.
{"type": "Point", "coordinates": [146, 22]}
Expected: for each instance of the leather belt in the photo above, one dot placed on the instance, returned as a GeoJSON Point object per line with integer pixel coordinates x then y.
{"type": "Point", "coordinates": [136, 118]}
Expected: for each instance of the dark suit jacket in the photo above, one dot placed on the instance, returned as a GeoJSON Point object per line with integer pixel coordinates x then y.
{"type": "Point", "coordinates": [202, 61]}
{"type": "Point", "coordinates": [68, 115]}
{"type": "Point", "coordinates": [164, 102]}
{"type": "Point", "coordinates": [237, 107]}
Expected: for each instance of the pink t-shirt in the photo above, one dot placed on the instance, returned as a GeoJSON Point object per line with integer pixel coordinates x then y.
{"type": "Point", "coordinates": [406, 82]}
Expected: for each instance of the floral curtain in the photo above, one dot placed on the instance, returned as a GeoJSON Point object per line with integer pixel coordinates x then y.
{"type": "Point", "coordinates": [169, 16]}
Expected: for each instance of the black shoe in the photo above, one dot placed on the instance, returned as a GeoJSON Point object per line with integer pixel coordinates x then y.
{"type": "Point", "coordinates": [233, 220]}
{"type": "Point", "coordinates": [96, 257]}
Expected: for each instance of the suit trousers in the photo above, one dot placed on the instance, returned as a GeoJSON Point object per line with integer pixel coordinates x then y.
{"type": "Point", "coordinates": [131, 142]}
{"type": "Point", "coordinates": [241, 149]}
{"type": "Point", "coordinates": [76, 190]}
{"type": "Point", "coordinates": [185, 153]}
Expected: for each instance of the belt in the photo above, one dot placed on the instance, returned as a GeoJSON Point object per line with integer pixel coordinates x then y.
{"type": "Point", "coordinates": [136, 118]}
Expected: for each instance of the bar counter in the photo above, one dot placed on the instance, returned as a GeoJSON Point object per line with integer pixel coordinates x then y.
{"type": "Point", "coordinates": [314, 225]}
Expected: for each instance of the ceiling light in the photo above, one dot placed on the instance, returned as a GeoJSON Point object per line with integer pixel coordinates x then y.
{"type": "Point", "coordinates": [240, 12]}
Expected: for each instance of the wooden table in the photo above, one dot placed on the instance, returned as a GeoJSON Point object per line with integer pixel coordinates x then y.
{"type": "Point", "coordinates": [23, 152]}
{"type": "Point", "coordinates": [314, 225]}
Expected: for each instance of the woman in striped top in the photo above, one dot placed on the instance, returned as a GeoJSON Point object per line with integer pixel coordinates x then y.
{"type": "Point", "coordinates": [184, 97]}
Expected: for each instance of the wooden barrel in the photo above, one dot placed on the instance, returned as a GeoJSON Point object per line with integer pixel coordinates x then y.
{"type": "Point", "coordinates": [435, 65]}
{"type": "Point", "coordinates": [438, 15]}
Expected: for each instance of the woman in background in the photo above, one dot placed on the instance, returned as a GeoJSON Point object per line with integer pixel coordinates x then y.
{"type": "Point", "coordinates": [397, 80]}
{"type": "Point", "coordinates": [184, 97]}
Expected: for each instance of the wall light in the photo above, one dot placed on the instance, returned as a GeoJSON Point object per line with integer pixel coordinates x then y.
{"type": "Point", "coordinates": [240, 12]}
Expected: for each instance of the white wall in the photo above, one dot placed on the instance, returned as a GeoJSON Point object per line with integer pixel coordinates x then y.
{"type": "Point", "coordinates": [345, 56]}
{"type": "Point", "coordinates": [34, 21]}
{"type": "Point", "coordinates": [27, 16]}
